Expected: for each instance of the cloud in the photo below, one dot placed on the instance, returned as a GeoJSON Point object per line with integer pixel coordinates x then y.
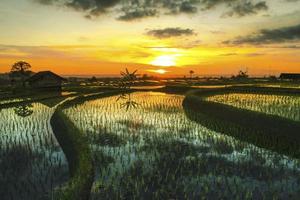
{"type": "Point", "coordinates": [187, 7]}
{"type": "Point", "coordinates": [217, 32]}
{"type": "Point", "coordinates": [291, 47]}
{"type": "Point", "coordinates": [130, 10]}
{"type": "Point", "coordinates": [138, 13]}
{"type": "Point", "coordinates": [24, 52]}
{"type": "Point", "coordinates": [269, 36]}
{"type": "Point", "coordinates": [247, 8]}
{"type": "Point", "coordinates": [170, 32]}
{"type": "Point", "coordinates": [228, 54]}
{"type": "Point", "coordinates": [91, 8]}
{"type": "Point", "coordinates": [137, 9]}
{"type": "Point", "coordinates": [46, 2]}
{"type": "Point", "coordinates": [254, 54]}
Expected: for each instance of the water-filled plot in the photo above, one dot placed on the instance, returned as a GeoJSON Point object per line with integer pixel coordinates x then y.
{"type": "Point", "coordinates": [32, 164]}
{"type": "Point", "coordinates": [280, 105]}
{"type": "Point", "coordinates": [152, 150]}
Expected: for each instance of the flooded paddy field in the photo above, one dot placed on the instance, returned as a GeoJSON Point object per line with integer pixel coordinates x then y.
{"type": "Point", "coordinates": [280, 105]}
{"type": "Point", "coordinates": [32, 164]}
{"type": "Point", "coordinates": [145, 147]}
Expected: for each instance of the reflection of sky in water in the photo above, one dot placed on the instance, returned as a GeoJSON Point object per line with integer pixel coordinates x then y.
{"type": "Point", "coordinates": [160, 118]}
{"type": "Point", "coordinates": [284, 106]}
{"type": "Point", "coordinates": [32, 137]}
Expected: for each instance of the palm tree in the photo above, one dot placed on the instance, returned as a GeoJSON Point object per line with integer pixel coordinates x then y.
{"type": "Point", "coordinates": [128, 79]}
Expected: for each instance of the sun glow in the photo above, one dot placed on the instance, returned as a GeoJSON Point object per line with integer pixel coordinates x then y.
{"type": "Point", "coordinates": [164, 61]}
{"type": "Point", "coordinates": [158, 71]}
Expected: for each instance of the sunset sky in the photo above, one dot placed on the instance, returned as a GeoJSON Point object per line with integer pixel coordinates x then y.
{"type": "Point", "coordinates": [102, 37]}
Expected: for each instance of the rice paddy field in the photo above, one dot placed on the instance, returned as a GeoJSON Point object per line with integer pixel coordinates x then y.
{"type": "Point", "coordinates": [32, 164]}
{"type": "Point", "coordinates": [283, 106]}
{"type": "Point", "coordinates": [151, 150]}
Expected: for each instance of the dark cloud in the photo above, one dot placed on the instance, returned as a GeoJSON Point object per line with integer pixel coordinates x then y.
{"type": "Point", "coordinates": [91, 8]}
{"type": "Point", "coordinates": [187, 7]}
{"type": "Point", "coordinates": [136, 9]}
{"type": "Point", "coordinates": [268, 36]}
{"type": "Point", "coordinates": [170, 32]}
{"type": "Point", "coordinates": [209, 4]}
{"type": "Point", "coordinates": [137, 14]}
{"type": "Point", "coordinates": [248, 8]}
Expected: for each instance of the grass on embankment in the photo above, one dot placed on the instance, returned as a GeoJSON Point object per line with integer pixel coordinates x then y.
{"type": "Point", "coordinates": [79, 157]}
{"type": "Point", "coordinates": [267, 131]}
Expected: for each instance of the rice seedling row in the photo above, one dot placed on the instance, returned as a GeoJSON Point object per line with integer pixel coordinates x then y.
{"type": "Point", "coordinates": [281, 105]}
{"type": "Point", "coordinates": [154, 151]}
{"type": "Point", "coordinates": [32, 164]}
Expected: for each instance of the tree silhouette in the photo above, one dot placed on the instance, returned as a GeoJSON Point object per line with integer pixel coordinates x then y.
{"type": "Point", "coordinates": [191, 73]}
{"type": "Point", "coordinates": [93, 79]}
{"type": "Point", "coordinates": [242, 74]}
{"type": "Point", "coordinates": [20, 69]}
{"type": "Point", "coordinates": [128, 79]}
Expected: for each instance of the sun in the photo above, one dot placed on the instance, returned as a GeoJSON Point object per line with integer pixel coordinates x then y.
{"type": "Point", "coordinates": [161, 71]}
{"type": "Point", "coordinates": [158, 71]}
{"type": "Point", "coordinates": [164, 61]}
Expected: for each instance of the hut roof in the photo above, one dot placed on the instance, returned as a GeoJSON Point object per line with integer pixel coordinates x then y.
{"type": "Point", "coordinates": [43, 74]}
{"type": "Point", "coordinates": [290, 76]}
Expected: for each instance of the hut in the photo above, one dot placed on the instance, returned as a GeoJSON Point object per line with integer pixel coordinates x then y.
{"type": "Point", "coordinates": [290, 76]}
{"type": "Point", "coordinates": [46, 80]}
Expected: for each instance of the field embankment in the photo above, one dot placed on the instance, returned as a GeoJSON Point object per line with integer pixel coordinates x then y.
{"type": "Point", "coordinates": [76, 148]}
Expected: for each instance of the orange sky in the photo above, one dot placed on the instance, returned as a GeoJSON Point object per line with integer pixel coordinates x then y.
{"type": "Point", "coordinates": [262, 38]}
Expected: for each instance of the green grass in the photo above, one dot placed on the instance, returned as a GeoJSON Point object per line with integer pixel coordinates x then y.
{"type": "Point", "coordinates": [79, 157]}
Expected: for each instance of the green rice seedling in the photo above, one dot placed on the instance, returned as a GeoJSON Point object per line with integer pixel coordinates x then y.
{"type": "Point", "coordinates": [155, 152]}
{"type": "Point", "coordinates": [281, 105]}
{"type": "Point", "coordinates": [32, 164]}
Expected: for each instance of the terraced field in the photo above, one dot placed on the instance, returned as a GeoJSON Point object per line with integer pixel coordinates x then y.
{"type": "Point", "coordinates": [280, 105]}
{"type": "Point", "coordinates": [152, 150]}
{"type": "Point", "coordinates": [32, 164]}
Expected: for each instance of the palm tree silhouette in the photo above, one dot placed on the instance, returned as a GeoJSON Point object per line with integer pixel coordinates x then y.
{"type": "Point", "coordinates": [126, 83]}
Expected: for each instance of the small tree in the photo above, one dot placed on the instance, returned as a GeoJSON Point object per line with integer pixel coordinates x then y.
{"type": "Point", "coordinates": [20, 69]}
{"type": "Point", "coordinates": [93, 79]}
{"type": "Point", "coordinates": [191, 73]}
{"type": "Point", "coordinates": [242, 74]}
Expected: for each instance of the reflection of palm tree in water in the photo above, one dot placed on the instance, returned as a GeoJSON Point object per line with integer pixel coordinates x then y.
{"type": "Point", "coordinates": [24, 110]}
{"type": "Point", "coordinates": [129, 103]}
{"type": "Point", "coordinates": [125, 84]}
